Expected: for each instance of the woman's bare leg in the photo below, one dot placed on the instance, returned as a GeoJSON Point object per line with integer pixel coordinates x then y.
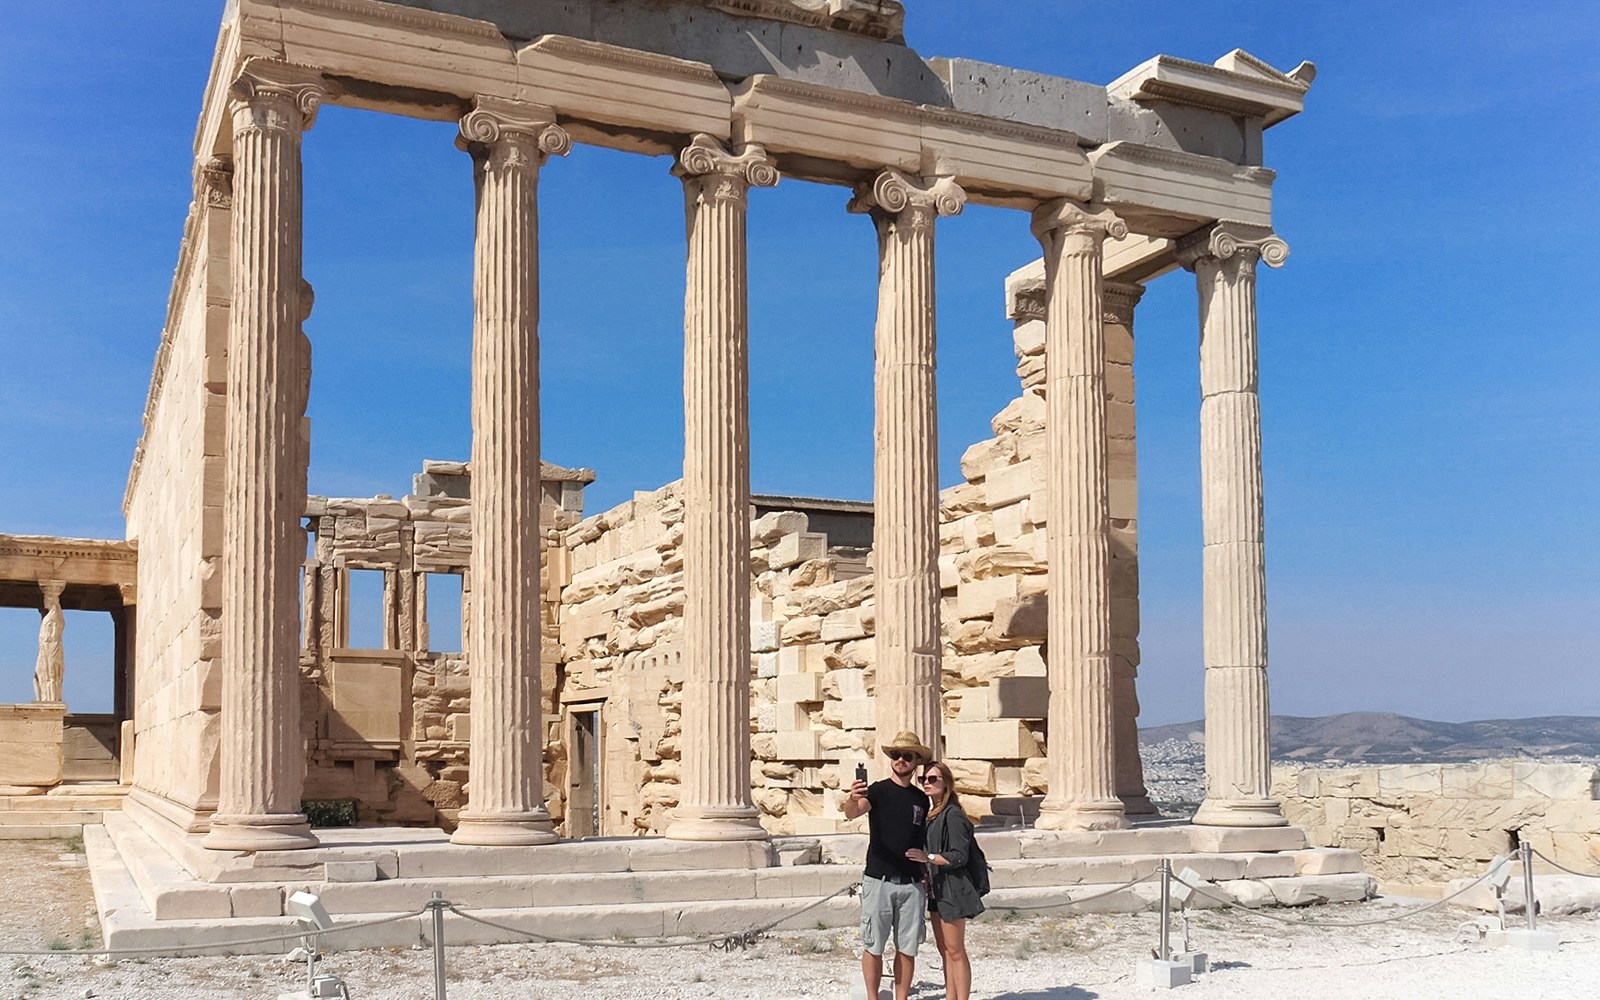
{"type": "Point", "coordinates": [951, 937]}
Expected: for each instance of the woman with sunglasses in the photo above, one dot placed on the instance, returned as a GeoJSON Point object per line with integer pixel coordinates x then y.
{"type": "Point", "coordinates": [954, 899]}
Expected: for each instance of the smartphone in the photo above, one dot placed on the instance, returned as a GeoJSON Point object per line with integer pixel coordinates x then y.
{"type": "Point", "coordinates": [861, 772]}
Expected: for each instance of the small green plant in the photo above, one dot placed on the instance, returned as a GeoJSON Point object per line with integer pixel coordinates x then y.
{"type": "Point", "coordinates": [73, 845]}
{"type": "Point", "coordinates": [821, 926]}
{"type": "Point", "coordinates": [57, 944]}
{"type": "Point", "coordinates": [1010, 915]}
{"type": "Point", "coordinates": [87, 939]}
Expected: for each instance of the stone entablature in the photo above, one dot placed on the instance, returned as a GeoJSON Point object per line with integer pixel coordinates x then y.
{"type": "Point", "coordinates": [1436, 822]}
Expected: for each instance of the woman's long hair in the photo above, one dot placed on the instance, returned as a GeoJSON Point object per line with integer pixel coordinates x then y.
{"type": "Point", "coordinates": [948, 784]}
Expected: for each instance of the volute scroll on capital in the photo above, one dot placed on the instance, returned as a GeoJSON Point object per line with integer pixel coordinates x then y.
{"type": "Point", "coordinates": [281, 95]}
{"type": "Point", "coordinates": [706, 156]}
{"type": "Point", "coordinates": [1225, 241]}
{"type": "Point", "coordinates": [213, 182]}
{"type": "Point", "coordinates": [1063, 217]}
{"type": "Point", "coordinates": [894, 193]}
{"type": "Point", "coordinates": [494, 123]}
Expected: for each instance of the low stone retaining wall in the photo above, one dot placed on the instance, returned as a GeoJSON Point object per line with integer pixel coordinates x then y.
{"type": "Point", "coordinates": [1434, 822]}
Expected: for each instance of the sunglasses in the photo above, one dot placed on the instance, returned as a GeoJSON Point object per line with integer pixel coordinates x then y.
{"type": "Point", "coordinates": [931, 779]}
{"type": "Point", "coordinates": [903, 755]}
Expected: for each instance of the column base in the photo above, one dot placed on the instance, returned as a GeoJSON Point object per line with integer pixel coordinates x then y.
{"type": "Point", "coordinates": [507, 829]}
{"type": "Point", "coordinates": [1138, 805]}
{"type": "Point", "coordinates": [1088, 815]}
{"type": "Point", "coordinates": [282, 832]}
{"type": "Point", "coordinates": [734, 823]}
{"type": "Point", "coordinates": [1239, 812]}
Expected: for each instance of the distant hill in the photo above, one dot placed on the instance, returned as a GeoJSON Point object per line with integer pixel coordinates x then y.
{"type": "Point", "coordinates": [1387, 737]}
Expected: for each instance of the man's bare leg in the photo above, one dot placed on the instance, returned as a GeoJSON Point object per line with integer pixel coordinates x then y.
{"type": "Point", "coordinates": [872, 972]}
{"type": "Point", "coordinates": [905, 968]}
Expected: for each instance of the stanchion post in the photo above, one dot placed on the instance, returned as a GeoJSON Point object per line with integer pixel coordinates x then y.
{"type": "Point", "coordinates": [1529, 904]}
{"type": "Point", "coordinates": [1160, 970]}
{"type": "Point", "coordinates": [1166, 910]}
{"type": "Point", "coordinates": [436, 904]}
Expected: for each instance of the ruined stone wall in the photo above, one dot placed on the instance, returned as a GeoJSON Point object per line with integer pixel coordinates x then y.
{"type": "Point", "coordinates": [388, 726]}
{"type": "Point", "coordinates": [1435, 822]}
{"type": "Point", "coordinates": [174, 511]}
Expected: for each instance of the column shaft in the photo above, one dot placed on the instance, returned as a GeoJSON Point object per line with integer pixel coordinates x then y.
{"type": "Point", "coordinates": [1081, 752]}
{"type": "Point", "coordinates": [905, 534]}
{"type": "Point", "coordinates": [1238, 752]}
{"type": "Point", "coordinates": [714, 746]}
{"type": "Point", "coordinates": [505, 794]}
{"type": "Point", "coordinates": [263, 751]}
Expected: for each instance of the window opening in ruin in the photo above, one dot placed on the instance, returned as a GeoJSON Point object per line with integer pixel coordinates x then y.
{"type": "Point", "coordinates": [583, 778]}
{"type": "Point", "coordinates": [444, 612]}
{"type": "Point", "coordinates": [19, 650]}
{"type": "Point", "coordinates": [364, 610]}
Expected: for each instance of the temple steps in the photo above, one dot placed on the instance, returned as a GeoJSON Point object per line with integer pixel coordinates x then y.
{"type": "Point", "coordinates": [149, 895]}
{"type": "Point", "coordinates": [59, 813]}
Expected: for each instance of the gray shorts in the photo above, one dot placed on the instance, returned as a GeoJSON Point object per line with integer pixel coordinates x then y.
{"type": "Point", "coordinates": [897, 908]}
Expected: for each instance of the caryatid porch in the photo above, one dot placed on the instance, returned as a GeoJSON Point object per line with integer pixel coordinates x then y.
{"type": "Point", "coordinates": [915, 147]}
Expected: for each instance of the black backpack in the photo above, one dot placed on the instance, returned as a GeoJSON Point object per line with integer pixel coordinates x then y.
{"type": "Point", "coordinates": [977, 864]}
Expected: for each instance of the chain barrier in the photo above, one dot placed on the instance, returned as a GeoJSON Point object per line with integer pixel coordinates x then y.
{"type": "Point", "coordinates": [1302, 922]}
{"type": "Point", "coordinates": [720, 942]}
{"type": "Point", "coordinates": [1556, 864]}
{"type": "Point", "coordinates": [1076, 900]}
{"type": "Point", "coordinates": [168, 951]}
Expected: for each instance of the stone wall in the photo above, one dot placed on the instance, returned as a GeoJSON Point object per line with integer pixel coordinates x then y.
{"type": "Point", "coordinates": [1435, 822]}
{"type": "Point", "coordinates": [389, 726]}
{"type": "Point", "coordinates": [174, 512]}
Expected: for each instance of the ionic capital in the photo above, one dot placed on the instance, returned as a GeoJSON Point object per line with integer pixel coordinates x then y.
{"type": "Point", "coordinates": [724, 172]}
{"type": "Point", "coordinates": [1087, 226]}
{"type": "Point", "coordinates": [213, 182]}
{"type": "Point", "coordinates": [893, 193]}
{"type": "Point", "coordinates": [1119, 299]}
{"type": "Point", "coordinates": [276, 95]}
{"type": "Point", "coordinates": [512, 133]}
{"type": "Point", "coordinates": [1233, 241]}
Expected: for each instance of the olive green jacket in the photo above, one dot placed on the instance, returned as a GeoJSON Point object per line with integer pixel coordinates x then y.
{"type": "Point", "coordinates": [950, 836]}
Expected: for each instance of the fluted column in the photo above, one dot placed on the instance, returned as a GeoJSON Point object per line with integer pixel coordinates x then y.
{"type": "Point", "coordinates": [905, 533]}
{"type": "Point", "coordinates": [1122, 458]}
{"type": "Point", "coordinates": [263, 751]}
{"type": "Point", "coordinates": [714, 746]}
{"type": "Point", "coordinates": [1238, 747]}
{"type": "Point", "coordinates": [505, 794]}
{"type": "Point", "coordinates": [1081, 749]}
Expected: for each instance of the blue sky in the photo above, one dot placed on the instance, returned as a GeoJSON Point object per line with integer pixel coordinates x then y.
{"type": "Point", "coordinates": [1428, 356]}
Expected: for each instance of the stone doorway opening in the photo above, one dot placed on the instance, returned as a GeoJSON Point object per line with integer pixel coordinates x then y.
{"type": "Point", "coordinates": [583, 773]}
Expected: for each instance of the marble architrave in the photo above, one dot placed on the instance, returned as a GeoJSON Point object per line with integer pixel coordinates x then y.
{"type": "Point", "coordinates": [1238, 749]}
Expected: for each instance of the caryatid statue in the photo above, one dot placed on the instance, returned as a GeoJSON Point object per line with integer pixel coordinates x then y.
{"type": "Point", "coordinates": [52, 661]}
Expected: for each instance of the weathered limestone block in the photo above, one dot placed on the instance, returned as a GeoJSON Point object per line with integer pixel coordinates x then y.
{"type": "Point", "coordinates": [1410, 779]}
{"type": "Point", "coordinates": [808, 658]}
{"type": "Point", "coordinates": [797, 745]}
{"type": "Point", "coordinates": [769, 528]}
{"type": "Point", "coordinates": [1004, 740]}
{"type": "Point", "coordinates": [799, 687]}
{"type": "Point", "coordinates": [973, 777]}
{"type": "Point", "coordinates": [801, 546]}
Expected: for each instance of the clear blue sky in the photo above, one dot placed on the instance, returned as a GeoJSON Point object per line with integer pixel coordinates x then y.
{"type": "Point", "coordinates": [1429, 356]}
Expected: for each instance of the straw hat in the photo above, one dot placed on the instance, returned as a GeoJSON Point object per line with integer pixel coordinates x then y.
{"type": "Point", "coordinates": [907, 740]}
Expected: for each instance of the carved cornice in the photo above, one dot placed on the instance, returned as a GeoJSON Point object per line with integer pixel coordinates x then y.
{"type": "Point", "coordinates": [881, 19]}
{"type": "Point", "coordinates": [523, 134]}
{"type": "Point", "coordinates": [1118, 299]}
{"type": "Point", "coordinates": [1228, 240]}
{"type": "Point", "coordinates": [1063, 217]}
{"type": "Point", "coordinates": [725, 172]}
{"type": "Point", "coordinates": [281, 95]}
{"type": "Point", "coordinates": [63, 549]}
{"type": "Point", "coordinates": [1123, 149]}
{"type": "Point", "coordinates": [893, 193]}
{"type": "Point", "coordinates": [600, 52]}
{"type": "Point", "coordinates": [408, 17]}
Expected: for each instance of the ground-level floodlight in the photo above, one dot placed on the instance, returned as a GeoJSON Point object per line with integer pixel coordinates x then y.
{"type": "Point", "coordinates": [1528, 938]}
{"type": "Point", "coordinates": [312, 916]}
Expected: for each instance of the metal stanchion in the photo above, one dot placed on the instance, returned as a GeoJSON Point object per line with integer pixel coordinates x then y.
{"type": "Point", "coordinates": [1160, 970]}
{"type": "Point", "coordinates": [1528, 938]}
{"type": "Point", "coordinates": [1529, 904]}
{"type": "Point", "coordinates": [437, 905]}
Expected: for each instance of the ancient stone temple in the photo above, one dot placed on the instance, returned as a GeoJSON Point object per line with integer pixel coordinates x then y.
{"type": "Point", "coordinates": [701, 665]}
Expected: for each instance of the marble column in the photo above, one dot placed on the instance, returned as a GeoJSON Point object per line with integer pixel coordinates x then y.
{"type": "Point", "coordinates": [905, 534]}
{"type": "Point", "coordinates": [49, 667]}
{"type": "Point", "coordinates": [1122, 458]}
{"type": "Point", "coordinates": [714, 746]}
{"type": "Point", "coordinates": [1081, 751]}
{"type": "Point", "coordinates": [509, 142]}
{"type": "Point", "coordinates": [1238, 752]}
{"type": "Point", "coordinates": [263, 751]}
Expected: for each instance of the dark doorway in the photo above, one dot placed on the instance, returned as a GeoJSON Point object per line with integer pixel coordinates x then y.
{"type": "Point", "coordinates": [583, 774]}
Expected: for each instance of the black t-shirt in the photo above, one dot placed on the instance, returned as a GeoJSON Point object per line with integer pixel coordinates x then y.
{"type": "Point", "coordinates": [898, 821]}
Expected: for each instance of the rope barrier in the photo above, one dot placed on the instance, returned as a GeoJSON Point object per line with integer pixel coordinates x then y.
{"type": "Point", "coordinates": [1553, 862]}
{"type": "Point", "coordinates": [1302, 922]}
{"type": "Point", "coordinates": [1075, 900]}
{"type": "Point", "coordinates": [168, 951]}
{"type": "Point", "coordinates": [721, 942]}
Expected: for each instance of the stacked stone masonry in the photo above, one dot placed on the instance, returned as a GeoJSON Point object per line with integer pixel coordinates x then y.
{"type": "Point", "coordinates": [1430, 823]}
